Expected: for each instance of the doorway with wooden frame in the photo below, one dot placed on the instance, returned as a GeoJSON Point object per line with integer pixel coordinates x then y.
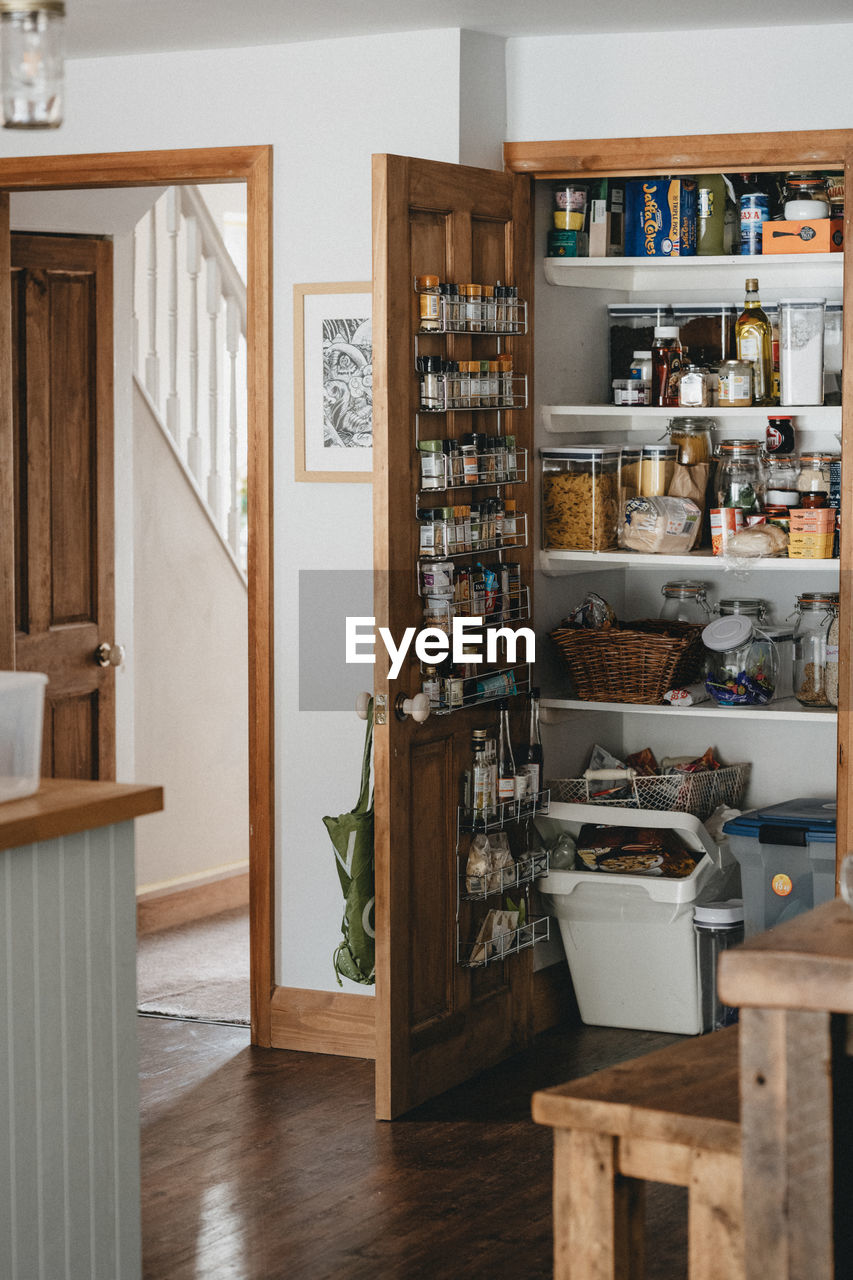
{"type": "Point", "coordinates": [252, 165]}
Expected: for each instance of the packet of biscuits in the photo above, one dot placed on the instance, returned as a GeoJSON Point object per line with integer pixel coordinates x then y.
{"type": "Point", "coordinates": [634, 851]}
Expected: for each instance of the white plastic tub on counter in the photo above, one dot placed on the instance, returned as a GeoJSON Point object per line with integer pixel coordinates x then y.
{"type": "Point", "coordinates": [21, 721]}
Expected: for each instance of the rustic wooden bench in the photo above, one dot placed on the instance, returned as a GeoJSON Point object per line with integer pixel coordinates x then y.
{"type": "Point", "coordinates": [670, 1116]}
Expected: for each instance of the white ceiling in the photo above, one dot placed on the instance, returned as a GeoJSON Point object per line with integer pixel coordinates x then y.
{"type": "Point", "coordinates": [100, 28]}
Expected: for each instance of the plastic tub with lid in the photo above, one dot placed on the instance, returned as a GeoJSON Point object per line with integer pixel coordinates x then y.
{"type": "Point", "coordinates": [629, 939]}
{"type": "Point", "coordinates": [787, 859]}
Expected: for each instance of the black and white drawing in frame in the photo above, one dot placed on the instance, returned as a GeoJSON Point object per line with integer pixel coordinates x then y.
{"type": "Point", "coordinates": [338, 381]}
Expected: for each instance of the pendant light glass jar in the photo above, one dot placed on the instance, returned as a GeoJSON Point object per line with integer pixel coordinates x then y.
{"type": "Point", "coordinates": [31, 63]}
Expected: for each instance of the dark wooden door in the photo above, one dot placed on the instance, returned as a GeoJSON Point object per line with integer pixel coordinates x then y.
{"type": "Point", "coordinates": [62, 406]}
{"type": "Point", "coordinates": [437, 1022]}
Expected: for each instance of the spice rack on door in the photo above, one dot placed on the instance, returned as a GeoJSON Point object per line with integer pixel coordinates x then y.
{"type": "Point", "coordinates": [493, 463]}
{"type": "Point", "coordinates": [477, 953]}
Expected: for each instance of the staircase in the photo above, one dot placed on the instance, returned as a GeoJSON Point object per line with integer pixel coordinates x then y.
{"type": "Point", "coordinates": [189, 302]}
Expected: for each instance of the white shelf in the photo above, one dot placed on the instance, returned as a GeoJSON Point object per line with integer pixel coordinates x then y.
{"type": "Point", "coordinates": [633, 275]}
{"type": "Point", "coordinates": [557, 562]}
{"type": "Point", "coordinates": [565, 419]}
{"type": "Point", "coordinates": [787, 709]}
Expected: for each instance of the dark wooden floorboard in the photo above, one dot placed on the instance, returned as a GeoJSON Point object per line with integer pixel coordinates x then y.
{"type": "Point", "coordinates": [268, 1165]}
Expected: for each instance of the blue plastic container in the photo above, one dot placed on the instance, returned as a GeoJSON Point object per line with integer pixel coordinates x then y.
{"type": "Point", "coordinates": [787, 859]}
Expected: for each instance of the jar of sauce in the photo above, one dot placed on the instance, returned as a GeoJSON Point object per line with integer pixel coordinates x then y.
{"type": "Point", "coordinates": [735, 390]}
{"type": "Point", "coordinates": [666, 366]}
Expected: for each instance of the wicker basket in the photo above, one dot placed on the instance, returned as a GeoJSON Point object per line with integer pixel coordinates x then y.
{"type": "Point", "coordinates": [631, 662]}
{"type": "Point", "coordinates": [696, 793]}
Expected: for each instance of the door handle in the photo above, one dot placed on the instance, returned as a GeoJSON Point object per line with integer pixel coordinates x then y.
{"type": "Point", "coordinates": [417, 707]}
{"type": "Point", "coordinates": [109, 655]}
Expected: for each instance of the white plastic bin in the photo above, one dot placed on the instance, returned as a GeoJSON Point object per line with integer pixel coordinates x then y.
{"type": "Point", "coordinates": [629, 939]}
{"type": "Point", "coordinates": [21, 721]}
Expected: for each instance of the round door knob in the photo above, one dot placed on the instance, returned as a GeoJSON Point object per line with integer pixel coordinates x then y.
{"type": "Point", "coordinates": [109, 655]}
{"type": "Point", "coordinates": [417, 707]}
{"type": "Point", "coordinates": [362, 705]}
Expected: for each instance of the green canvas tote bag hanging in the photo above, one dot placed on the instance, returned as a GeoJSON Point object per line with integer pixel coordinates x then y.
{"type": "Point", "coordinates": [352, 837]}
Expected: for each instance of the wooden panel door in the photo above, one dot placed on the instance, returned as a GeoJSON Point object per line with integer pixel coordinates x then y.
{"type": "Point", "coordinates": [62, 394]}
{"type": "Point", "coordinates": [437, 1022]}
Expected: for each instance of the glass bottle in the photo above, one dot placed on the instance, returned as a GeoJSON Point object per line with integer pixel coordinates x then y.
{"type": "Point", "coordinates": [712, 212]}
{"type": "Point", "coordinates": [685, 601]}
{"type": "Point", "coordinates": [506, 761]}
{"type": "Point", "coordinates": [816, 649]}
{"type": "Point", "coordinates": [431, 686]}
{"type": "Point", "coordinates": [530, 755]}
{"type": "Point", "coordinates": [482, 792]}
{"type": "Point", "coordinates": [754, 339]}
{"type": "Point", "coordinates": [666, 366]}
{"type": "Point", "coordinates": [738, 478]}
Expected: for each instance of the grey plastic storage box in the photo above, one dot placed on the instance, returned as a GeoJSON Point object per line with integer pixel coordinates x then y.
{"type": "Point", "coordinates": [787, 859]}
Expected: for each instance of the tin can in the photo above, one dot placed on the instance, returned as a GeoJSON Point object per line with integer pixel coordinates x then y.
{"type": "Point", "coordinates": [725, 521]}
{"type": "Point", "coordinates": [754, 209]}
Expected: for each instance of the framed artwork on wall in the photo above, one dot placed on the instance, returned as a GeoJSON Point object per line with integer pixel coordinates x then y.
{"type": "Point", "coordinates": [333, 382]}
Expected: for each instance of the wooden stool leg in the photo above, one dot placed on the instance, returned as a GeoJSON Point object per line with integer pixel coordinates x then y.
{"type": "Point", "coordinates": [715, 1218]}
{"type": "Point", "coordinates": [598, 1215]}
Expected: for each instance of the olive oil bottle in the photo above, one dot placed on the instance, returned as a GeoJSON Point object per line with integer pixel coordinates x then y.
{"type": "Point", "coordinates": [754, 339]}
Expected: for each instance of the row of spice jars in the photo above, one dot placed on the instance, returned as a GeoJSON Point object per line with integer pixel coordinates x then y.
{"type": "Point", "coordinates": [451, 590]}
{"type": "Point", "coordinates": [473, 459]}
{"type": "Point", "coordinates": [469, 308]}
{"type": "Point", "coordinates": [482, 526]}
{"type": "Point", "coordinates": [814, 655]}
{"type": "Point", "coordinates": [468, 384]}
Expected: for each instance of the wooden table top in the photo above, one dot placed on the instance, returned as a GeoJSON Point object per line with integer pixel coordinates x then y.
{"type": "Point", "coordinates": [62, 807]}
{"type": "Point", "coordinates": [806, 963]}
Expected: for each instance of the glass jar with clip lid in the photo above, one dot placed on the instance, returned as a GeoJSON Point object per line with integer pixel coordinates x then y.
{"type": "Point", "coordinates": [685, 601]}
{"type": "Point", "coordinates": [816, 649]}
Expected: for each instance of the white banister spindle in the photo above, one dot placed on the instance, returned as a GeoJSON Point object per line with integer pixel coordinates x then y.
{"type": "Point", "coordinates": [214, 302]}
{"type": "Point", "coordinates": [134, 309]}
{"type": "Point", "coordinates": [232, 345]}
{"type": "Point", "coordinates": [173, 226]}
{"type": "Point", "coordinates": [193, 269]}
{"type": "Point", "coordinates": [152, 360]}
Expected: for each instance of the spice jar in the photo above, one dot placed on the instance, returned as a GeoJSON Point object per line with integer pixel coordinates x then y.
{"type": "Point", "coordinates": [430, 305]}
{"type": "Point", "coordinates": [816, 649]}
{"type": "Point", "coordinates": [432, 464]}
{"type": "Point", "coordinates": [738, 477]}
{"type": "Point", "coordinates": [692, 437]}
{"type": "Point", "coordinates": [685, 601]}
{"type": "Point", "coordinates": [741, 663]}
{"type": "Point", "coordinates": [580, 497]}
{"type": "Point", "coordinates": [657, 465]}
{"type": "Point", "coordinates": [666, 365]}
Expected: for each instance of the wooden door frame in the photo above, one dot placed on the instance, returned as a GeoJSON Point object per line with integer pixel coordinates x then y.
{"type": "Point", "coordinates": [252, 165]}
{"type": "Point", "coordinates": [735, 153]}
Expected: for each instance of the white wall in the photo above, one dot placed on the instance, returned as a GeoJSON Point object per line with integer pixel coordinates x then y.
{"type": "Point", "coordinates": [679, 82]}
{"type": "Point", "coordinates": [191, 645]}
{"type": "Point", "coordinates": [325, 108]}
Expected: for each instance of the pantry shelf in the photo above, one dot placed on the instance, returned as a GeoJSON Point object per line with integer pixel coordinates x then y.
{"type": "Point", "coordinates": [552, 563]}
{"type": "Point", "coordinates": [787, 709]}
{"type": "Point", "coordinates": [632, 275]}
{"type": "Point", "coordinates": [565, 419]}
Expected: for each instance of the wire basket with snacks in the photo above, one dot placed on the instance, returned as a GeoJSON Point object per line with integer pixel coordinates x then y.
{"type": "Point", "coordinates": [696, 786]}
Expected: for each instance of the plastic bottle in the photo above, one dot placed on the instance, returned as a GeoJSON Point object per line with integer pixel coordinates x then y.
{"type": "Point", "coordinates": [666, 365]}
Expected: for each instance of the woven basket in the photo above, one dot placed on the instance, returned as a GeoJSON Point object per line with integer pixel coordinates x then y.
{"type": "Point", "coordinates": [696, 793]}
{"type": "Point", "coordinates": [631, 662]}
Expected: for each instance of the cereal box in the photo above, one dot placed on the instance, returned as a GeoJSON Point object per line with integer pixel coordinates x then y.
{"type": "Point", "coordinates": [660, 217]}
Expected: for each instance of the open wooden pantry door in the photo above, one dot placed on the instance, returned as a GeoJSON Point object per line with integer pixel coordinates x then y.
{"type": "Point", "coordinates": [459, 374]}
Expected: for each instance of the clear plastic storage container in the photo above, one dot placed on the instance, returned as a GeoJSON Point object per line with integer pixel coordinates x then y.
{"type": "Point", "coordinates": [718, 926]}
{"type": "Point", "coordinates": [580, 497]}
{"type": "Point", "coordinates": [21, 723]}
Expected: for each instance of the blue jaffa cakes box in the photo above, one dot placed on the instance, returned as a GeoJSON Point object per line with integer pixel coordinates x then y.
{"type": "Point", "coordinates": [660, 217]}
{"type": "Point", "coordinates": [787, 859]}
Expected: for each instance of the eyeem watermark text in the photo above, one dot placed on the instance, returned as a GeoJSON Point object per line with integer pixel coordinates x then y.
{"type": "Point", "coordinates": [433, 645]}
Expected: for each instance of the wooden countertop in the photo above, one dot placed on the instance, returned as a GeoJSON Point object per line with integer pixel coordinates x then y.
{"type": "Point", "coordinates": [63, 806]}
{"type": "Point", "coordinates": [806, 963]}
